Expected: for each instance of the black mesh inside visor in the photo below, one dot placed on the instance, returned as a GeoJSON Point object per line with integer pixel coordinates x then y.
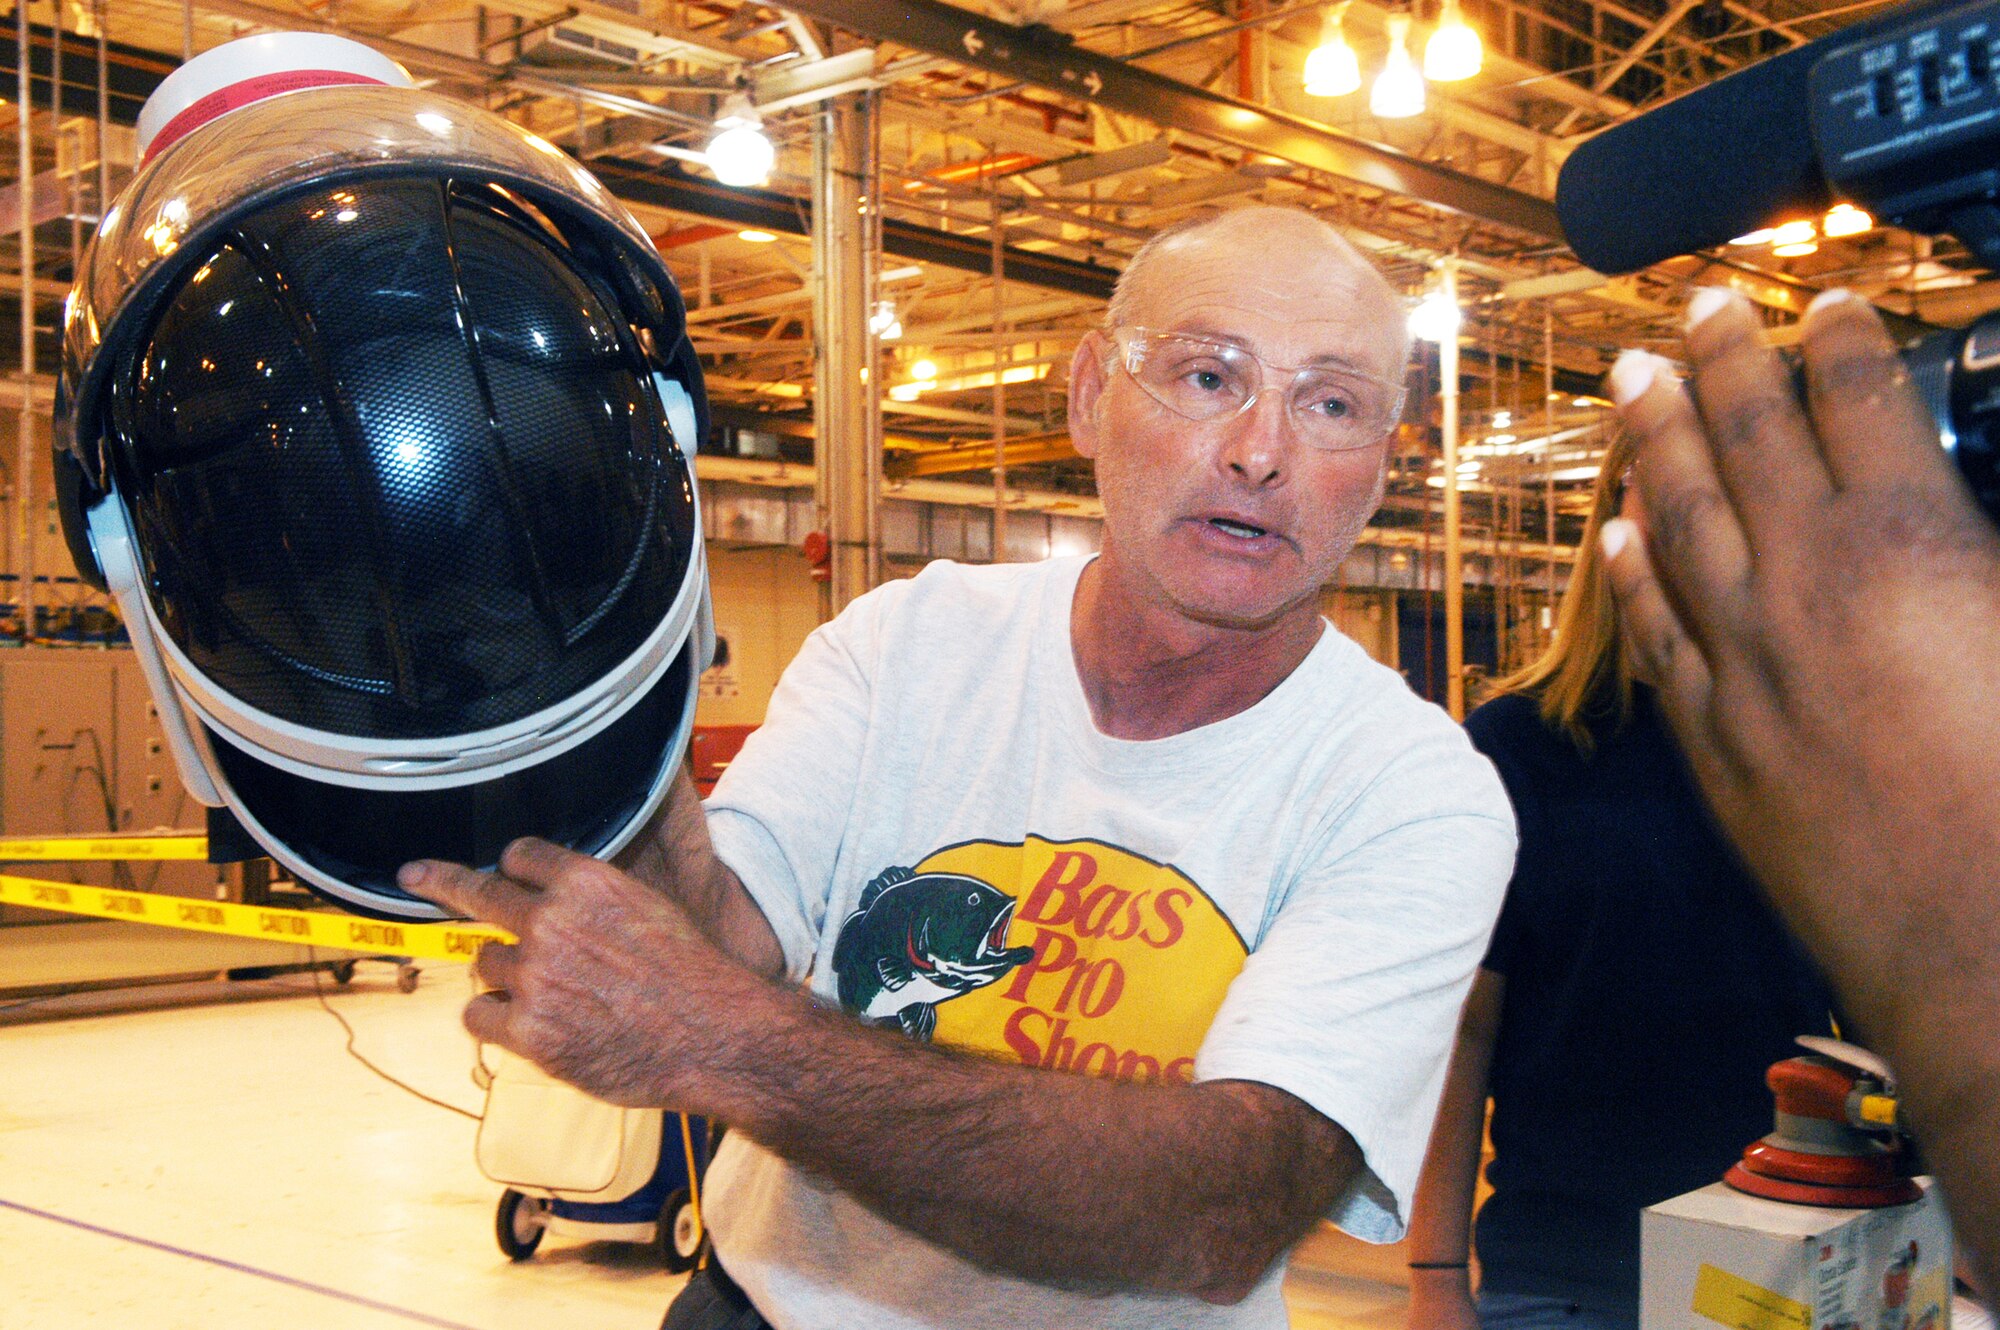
{"type": "Point", "coordinates": [396, 463]}
{"type": "Point", "coordinates": [581, 799]}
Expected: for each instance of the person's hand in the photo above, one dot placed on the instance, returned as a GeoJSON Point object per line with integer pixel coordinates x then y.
{"type": "Point", "coordinates": [1817, 598]}
{"type": "Point", "coordinates": [610, 985]}
{"type": "Point", "coordinates": [1821, 614]}
{"type": "Point", "coordinates": [1441, 1300]}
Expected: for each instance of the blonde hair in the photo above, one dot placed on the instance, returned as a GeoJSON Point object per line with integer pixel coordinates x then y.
{"type": "Point", "coordinates": [1584, 674]}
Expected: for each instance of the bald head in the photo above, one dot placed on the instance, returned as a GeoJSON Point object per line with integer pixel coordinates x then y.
{"type": "Point", "coordinates": [1262, 241]}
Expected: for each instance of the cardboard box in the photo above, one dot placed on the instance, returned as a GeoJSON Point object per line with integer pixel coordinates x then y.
{"type": "Point", "coordinates": [1718, 1257]}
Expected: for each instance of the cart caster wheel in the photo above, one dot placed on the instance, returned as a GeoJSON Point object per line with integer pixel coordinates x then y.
{"type": "Point", "coordinates": [406, 978]}
{"type": "Point", "coordinates": [681, 1234]}
{"type": "Point", "coordinates": [343, 972]}
{"type": "Point", "coordinates": [519, 1223]}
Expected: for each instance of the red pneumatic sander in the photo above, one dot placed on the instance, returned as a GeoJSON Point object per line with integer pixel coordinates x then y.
{"type": "Point", "coordinates": [1836, 1142]}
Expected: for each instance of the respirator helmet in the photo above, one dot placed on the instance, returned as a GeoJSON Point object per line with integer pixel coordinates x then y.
{"type": "Point", "coordinates": [377, 416]}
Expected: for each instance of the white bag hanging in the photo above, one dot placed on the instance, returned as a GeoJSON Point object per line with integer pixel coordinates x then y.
{"type": "Point", "coordinates": [543, 1136]}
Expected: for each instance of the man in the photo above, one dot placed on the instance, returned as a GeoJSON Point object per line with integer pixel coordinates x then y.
{"type": "Point", "coordinates": [1143, 817]}
{"type": "Point", "coordinates": [1821, 610]}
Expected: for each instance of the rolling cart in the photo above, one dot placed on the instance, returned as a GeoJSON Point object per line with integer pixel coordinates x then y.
{"type": "Point", "coordinates": [573, 1165]}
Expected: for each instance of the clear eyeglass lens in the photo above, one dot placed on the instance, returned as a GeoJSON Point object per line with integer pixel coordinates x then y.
{"type": "Point", "coordinates": [1205, 380]}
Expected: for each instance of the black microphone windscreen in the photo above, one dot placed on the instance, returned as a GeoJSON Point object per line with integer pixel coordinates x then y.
{"type": "Point", "coordinates": [1698, 171]}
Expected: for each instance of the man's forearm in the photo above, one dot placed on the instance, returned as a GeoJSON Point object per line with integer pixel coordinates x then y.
{"type": "Point", "coordinates": [1055, 1177]}
{"type": "Point", "coordinates": [614, 988]}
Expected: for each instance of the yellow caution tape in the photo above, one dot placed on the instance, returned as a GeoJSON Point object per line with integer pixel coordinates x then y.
{"type": "Point", "coordinates": [92, 849]}
{"type": "Point", "coordinates": [1736, 1302]}
{"type": "Point", "coordinates": [313, 928]}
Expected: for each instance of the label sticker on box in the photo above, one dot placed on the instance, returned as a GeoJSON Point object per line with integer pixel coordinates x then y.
{"type": "Point", "coordinates": [1734, 1301]}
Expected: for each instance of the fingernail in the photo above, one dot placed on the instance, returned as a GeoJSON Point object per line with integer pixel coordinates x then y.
{"type": "Point", "coordinates": [1631, 374]}
{"type": "Point", "coordinates": [1833, 295]}
{"type": "Point", "coordinates": [412, 875]}
{"type": "Point", "coordinates": [1705, 303]}
{"type": "Point", "coordinates": [1614, 536]}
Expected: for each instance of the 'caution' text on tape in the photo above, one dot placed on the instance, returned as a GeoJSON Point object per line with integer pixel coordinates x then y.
{"type": "Point", "coordinates": [314, 928]}
{"type": "Point", "coordinates": [94, 849]}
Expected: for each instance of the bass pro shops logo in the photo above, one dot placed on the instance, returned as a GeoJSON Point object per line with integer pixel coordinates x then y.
{"type": "Point", "coordinates": [1067, 956]}
{"type": "Point", "coordinates": [917, 941]}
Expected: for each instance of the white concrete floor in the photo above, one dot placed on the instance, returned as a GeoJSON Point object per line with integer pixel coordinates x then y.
{"type": "Point", "coordinates": [225, 1165]}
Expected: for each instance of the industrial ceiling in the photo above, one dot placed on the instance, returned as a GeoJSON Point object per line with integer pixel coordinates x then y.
{"type": "Point", "coordinates": [1078, 130]}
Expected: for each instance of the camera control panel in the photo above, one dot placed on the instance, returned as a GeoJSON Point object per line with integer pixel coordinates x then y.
{"type": "Point", "coordinates": [1909, 118]}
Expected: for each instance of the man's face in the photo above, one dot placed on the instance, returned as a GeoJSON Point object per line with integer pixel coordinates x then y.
{"type": "Point", "coordinates": [1236, 521]}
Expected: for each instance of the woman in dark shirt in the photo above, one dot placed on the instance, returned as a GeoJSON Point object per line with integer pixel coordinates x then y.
{"type": "Point", "coordinates": [1635, 991]}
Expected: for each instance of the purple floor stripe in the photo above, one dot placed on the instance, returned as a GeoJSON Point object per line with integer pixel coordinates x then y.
{"type": "Point", "coordinates": [272, 1275]}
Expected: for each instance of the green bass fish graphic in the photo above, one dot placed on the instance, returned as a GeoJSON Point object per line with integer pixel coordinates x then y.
{"type": "Point", "coordinates": [918, 940]}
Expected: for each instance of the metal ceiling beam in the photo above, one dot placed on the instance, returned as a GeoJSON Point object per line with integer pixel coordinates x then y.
{"type": "Point", "coordinates": [772, 211]}
{"type": "Point", "coordinates": [695, 45]}
{"type": "Point", "coordinates": [444, 64]}
{"type": "Point", "coordinates": [136, 71]}
{"type": "Point", "coordinates": [800, 82]}
{"type": "Point", "coordinates": [408, 54]}
{"type": "Point", "coordinates": [908, 465]}
{"type": "Point", "coordinates": [1785, 30]}
{"type": "Point", "coordinates": [1049, 60]}
{"type": "Point", "coordinates": [131, 72]}
{"type": "Point", "coordinates": [1634, 53]}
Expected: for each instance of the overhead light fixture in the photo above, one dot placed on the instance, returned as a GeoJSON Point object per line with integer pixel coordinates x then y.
{"type": "Point", "coordinates": [1399, 89]}
{"type": "Point", "coordinates": [1761, 236]}
{"type": "Point", "coordinates": [923, 378]}
{"type": "Point", "coordinates": [1332, 68]}
{"type": "Point", "coordinates": [884, 323]}
{"type": "Point", "coordinates": [1844, 219]}
{"type": "Point", "coordinates": [756, 237]}
{"type": "Point", "coordinates": [1453, 51]}
{"type": "Point", "coordinates": [1794, 240]}
{"type": "Point", "coordinates": [1435, 318]}
{"type": "Point", "coordinates": [740, 155]}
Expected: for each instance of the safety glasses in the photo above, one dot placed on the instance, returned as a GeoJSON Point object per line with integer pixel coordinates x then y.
{"type": "Point", "coordinates": [1206, 379]}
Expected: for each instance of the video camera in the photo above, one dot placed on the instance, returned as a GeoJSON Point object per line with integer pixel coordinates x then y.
{"type": "Point", "coordinates": [1899, 115]}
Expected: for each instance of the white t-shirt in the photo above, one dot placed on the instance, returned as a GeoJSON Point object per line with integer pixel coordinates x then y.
{"type": "Point", "coordinates": [941, 838]}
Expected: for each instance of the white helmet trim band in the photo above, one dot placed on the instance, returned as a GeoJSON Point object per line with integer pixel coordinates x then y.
{"type": "Point", "coordinates": [111, 541]}
{"type": "Point", "coordinates": [371, 902]}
